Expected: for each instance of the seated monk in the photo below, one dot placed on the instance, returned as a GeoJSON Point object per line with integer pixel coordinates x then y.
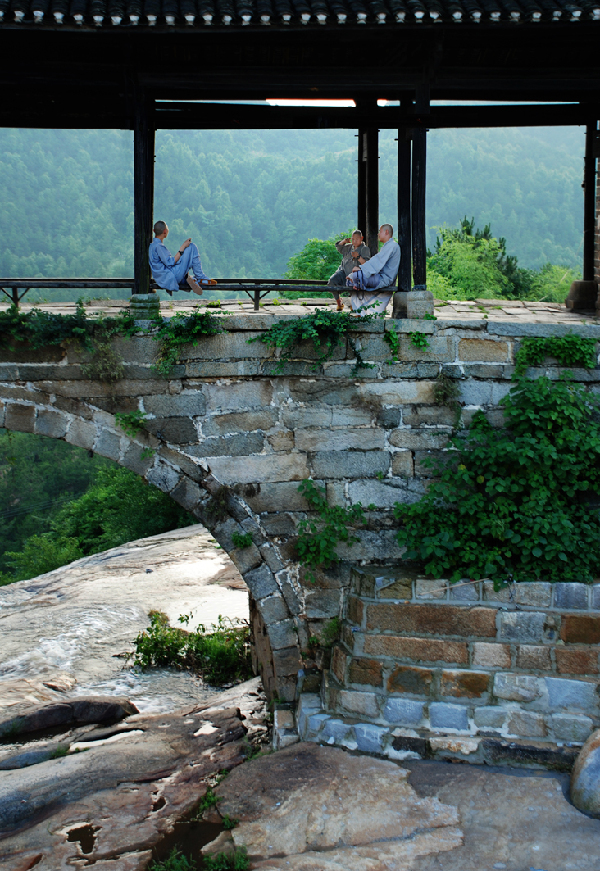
{"type": "Point", "coordinates": [170, 272]}
{"type": "Point", "coordinates": [372, 283]}
{"type": "Point", "coordinates": [354, 252]}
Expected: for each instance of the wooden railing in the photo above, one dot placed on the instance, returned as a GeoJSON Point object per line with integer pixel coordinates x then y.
{"type": "Point", "coordinates": [256, 288]}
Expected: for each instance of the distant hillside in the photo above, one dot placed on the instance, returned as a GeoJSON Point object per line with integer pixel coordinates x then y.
{"type": "Point", "coordinates": [251, 199]}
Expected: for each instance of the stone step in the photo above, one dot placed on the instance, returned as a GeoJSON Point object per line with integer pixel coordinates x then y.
{"type": "Point", "coordinates": [317, 724]}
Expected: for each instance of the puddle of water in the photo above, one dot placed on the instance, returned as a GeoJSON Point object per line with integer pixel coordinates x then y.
{"type": "Point", "coordinates": [85, 836]}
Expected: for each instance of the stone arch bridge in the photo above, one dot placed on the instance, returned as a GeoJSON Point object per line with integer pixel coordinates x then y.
{"type": "Point", "coordinates": [230, 439]}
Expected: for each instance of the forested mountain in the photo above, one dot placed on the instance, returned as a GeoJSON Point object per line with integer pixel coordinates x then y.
{"type": "Point", "coordinates": [251, 199]}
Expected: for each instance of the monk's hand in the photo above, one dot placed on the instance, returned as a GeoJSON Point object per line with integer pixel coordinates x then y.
{"type": "Point", "coordinates": [356, 269]}
{"type": "Point", "coordinates": [187, 243]}
{"type": "Point", "coordinates": [361, 260]}
{"type": "Point", "coordinates": [212, 281]}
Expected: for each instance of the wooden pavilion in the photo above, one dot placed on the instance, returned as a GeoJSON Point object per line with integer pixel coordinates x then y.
{"type": "Point", "coordinates": [205, 64]}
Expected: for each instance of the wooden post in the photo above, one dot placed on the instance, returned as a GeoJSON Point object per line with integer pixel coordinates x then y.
{"type": "Point", "coordinates": [404, 207]}
{"type": "Point", "coordinates": [143, 189]}
{"type": "Point", "coordinates": [419, 166]}
{"type": "Point", "coordinates": [589, 201]}
{"type": "Point", "coordinates": [372, 189]}
{"type": "Point", "coordinates": [361, 211]}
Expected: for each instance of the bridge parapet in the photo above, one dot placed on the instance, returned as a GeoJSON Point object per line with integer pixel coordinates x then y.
{"type": "Point", "coordinates": [230, 437]}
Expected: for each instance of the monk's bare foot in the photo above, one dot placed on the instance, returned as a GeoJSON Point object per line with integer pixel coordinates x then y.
{"type": "Point", "coordinates": [194, 285]}
{"type": "Point", "coordinates": [340, 305]}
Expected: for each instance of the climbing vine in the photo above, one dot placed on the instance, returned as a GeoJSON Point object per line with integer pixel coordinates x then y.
{"type": "Point", "coordinates": [325, 329]}
{"type": "Point", "coordinates": [182, 329]}
{"type": "Point", "coordinates": [446, 392]}
{"type": "Point", "coordinates": [515, 500]}
{"type": "Point", "coordinates": [41, 328]}
{"type": "Point", "coordinates": [569, 350]}
{"type": "Point", "coordinates": [318, 538]}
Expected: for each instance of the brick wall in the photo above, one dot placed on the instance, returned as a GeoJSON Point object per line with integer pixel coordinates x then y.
{"type": "Point", "coordinates": [428, 657]}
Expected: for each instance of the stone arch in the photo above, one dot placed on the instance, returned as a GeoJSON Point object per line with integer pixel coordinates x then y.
{"type": "Point", "coordinates": [271, 580]}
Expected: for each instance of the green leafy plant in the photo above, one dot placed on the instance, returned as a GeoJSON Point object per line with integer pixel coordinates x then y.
{"type": "Point", "coordinates": [241, 540]}
{"type": "Point", "coordinates": [318, 539]}
{"type": "Point", "coordinates": [230, 822]}
{"type": "Point", "coordinates": [131, 422]}
{"type": "Point", "coordinates": [419, 340]}
{"type": "Point", "coordinates": [325, 329]}
{"type": "Point", "coordinates": [176, 861]}
{"type": "Point", "coordinates": [182, 329]}
{"type": "Point", "coordinates": [331, 632]}
{"type": "Point", "coordinates": [106, 365]}
{"type": "Point", "coordinates": [236, 861]}
{"type": "Point", "coordinates": [392, 338]}
{"type": "Point", "coordinates": [446, 392]}
{"type": "Point", "coordinates": [41, 328]}
{"type": "Point", "coordinates": [60, 752]}
{"type": "Point", "coordinates": [569, 350]}
{"type": "Point", "coordinates": [220, 654]}
{"type": "Point", "coordinates": [208, 801]}
{"type": "Point", "coordinates": [213, 303]}
{"type": "Point", "coordinates": [515, 500]}
{"type": "Point", "coordinates": [429, 317]}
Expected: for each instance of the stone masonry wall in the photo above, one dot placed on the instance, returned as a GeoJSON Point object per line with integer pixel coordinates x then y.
{"type": "Point", "coordinates": [522, 662]}
{"type": "Point", "coordinates": [230, 438]}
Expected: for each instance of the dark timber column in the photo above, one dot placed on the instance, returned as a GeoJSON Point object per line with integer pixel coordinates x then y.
{"type": "Point", "coordinates": [372, 189]}
{"type": "Point", "coordinates": [419, 162]}
{"type": "Point", "coordinates": [361, 213]}
{"type": "Point", "coordinates": [589, 202]}
{"type": "Point", "coordinates": [404, 205]}
{"type": "Point", "coordinates": [143, 189]}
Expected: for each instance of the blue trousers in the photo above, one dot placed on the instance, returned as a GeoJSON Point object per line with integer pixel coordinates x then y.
{"type": "Point", "coordinates": [190, 259]}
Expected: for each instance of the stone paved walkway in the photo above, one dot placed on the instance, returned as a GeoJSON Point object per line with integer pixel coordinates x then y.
{"type": "Point", "coordinates": [477, 310]}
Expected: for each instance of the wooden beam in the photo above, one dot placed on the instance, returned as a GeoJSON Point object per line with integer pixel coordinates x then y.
{"type": "Point", "coordinates": [372, 189]}
{"type": "Point", "coordinates": [589, 201]}
{"type": "Point", "coordinates": [143, 188]}
{"type": "Point", "coordinates": [209, 116]}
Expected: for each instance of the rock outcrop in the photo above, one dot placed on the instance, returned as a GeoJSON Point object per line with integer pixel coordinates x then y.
{"type": "Point", "coordinates": [109, 794]}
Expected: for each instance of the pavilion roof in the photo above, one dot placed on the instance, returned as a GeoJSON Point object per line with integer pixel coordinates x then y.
{"type": "Point", "coordinates": [297, 14]}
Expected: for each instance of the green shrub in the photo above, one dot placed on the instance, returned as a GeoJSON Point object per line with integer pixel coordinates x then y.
{"type": "Point", "coordinates": [41, 554]}
{"type": "Point", "coordinates": [236, 861]}
{"type": "Point", "coordinates": [241, 540]}
{"type": "Point", "coordinates": [220, 654]}
{"type": "Point", "coordinates": [515, 500]}
{"type": "Point", "coordinates": [325, 329]}
{"type": "Point", "coordinates": [176, 861]}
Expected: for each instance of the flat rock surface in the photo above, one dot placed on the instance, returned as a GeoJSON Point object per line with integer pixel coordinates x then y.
{"type": "Point", "coordinates": [315, 808]}
{"type": "Point", "coordinates": [120, 789]}
{"type": "Point", "coordinates": [67, 632]}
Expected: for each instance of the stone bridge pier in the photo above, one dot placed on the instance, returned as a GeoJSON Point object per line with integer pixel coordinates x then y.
{"type": "Point", "coordinates": [230, 439]}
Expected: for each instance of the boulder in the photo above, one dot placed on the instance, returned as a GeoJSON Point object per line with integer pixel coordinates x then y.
{"type": "Point", "coordinates": [585, 777]}
{"type": "Point", "coordinates": [95, 709]}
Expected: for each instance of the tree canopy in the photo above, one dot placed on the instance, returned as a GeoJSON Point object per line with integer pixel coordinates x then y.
{"type": "Point", "coordinates": [252, 199]}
